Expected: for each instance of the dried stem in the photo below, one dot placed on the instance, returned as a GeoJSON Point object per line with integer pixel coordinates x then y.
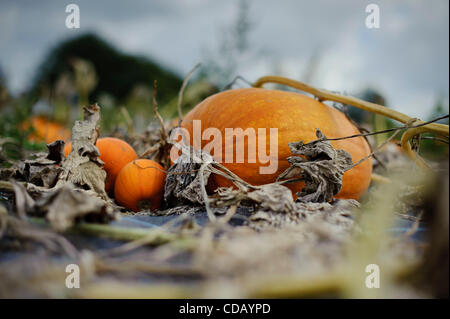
{"type": "Point", "coordinates": [180, 94]}
{"type": "Point", "coordinates": [230, 85]}
{"type": "Point", "coordinates": [210, 214]}
{"type": "Point", "coordinates": [112, 232]}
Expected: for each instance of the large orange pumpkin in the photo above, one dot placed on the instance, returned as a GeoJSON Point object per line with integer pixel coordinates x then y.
{"type": "Point", "coordinates": [115, 152]}
{"type": "Point", "coordinates": [140, 184]}
{"type": "Point", "coordinates": [295, 115]}
{"type": "Point", "coordinates": [45, 130]}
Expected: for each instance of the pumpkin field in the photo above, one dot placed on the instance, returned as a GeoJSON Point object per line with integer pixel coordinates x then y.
{"type": "Point", "coordinates": [123, 179]}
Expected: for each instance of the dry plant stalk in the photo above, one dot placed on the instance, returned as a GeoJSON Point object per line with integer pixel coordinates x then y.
{"type": "Point", "coordinates": [160, 151]}
{"type": "Point", "coordinates": [180, 93]}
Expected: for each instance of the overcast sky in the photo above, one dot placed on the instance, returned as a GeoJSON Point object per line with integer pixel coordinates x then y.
{"type": "Point", "coordinates": [407, 58]}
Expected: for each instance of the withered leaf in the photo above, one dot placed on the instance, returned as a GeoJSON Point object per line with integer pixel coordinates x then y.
{"type": "Point", "coordinates": [56, 151]}
{"type": "Point", "coordinates": [273, 197]}
{"type": "Point", "coordinates": [10, 172]}
{"type": "Point", "coordinates": [183, 182]}
{"type": "Point", "coordinates": [43, 170]}
{"type": "Point", "coordinates": [83, 166]}
{"type": "Point", "coordinates": [63, 206]}
{"type": "Point", "coordinates": [66, 205]}
{"type": "Point", "coordinates": [335, 217]}
{"type": "Point", "coordinates": [227, 196]}
{"type": "Point", "coordinates": [320, 166]}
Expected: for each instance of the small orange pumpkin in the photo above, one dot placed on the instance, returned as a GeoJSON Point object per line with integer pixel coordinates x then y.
{"type": "Point", "coordinates": [45, 130]}
{"type": "Point", "coordinates": [115, 152]}
{"type": "Point", "coordinates": [140, 184]}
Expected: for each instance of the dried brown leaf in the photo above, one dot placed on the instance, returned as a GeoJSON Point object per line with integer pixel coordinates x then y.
{"type": "Point", "coordinates": [63, 206]}
{"type": "Point", "coordinates": [83, 166]}
{"type": "Point", "coordinates": [43, 170]}
{"type": "Point", "coordinates": [66, 205]}
{"type": "Point", "coordinates": [183, 182]}
{"type": "Point", "coordinates": [320, 166]}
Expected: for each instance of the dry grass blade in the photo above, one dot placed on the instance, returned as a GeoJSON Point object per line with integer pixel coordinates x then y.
{"type": "Point", "coordinates": [154, 238]}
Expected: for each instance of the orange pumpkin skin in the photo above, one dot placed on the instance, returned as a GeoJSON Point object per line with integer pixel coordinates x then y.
{"type": "Point", "coordinates": [296, 116]}
{"type": "Point", "coordinates": [115, 153]}
{"type": "Point", "coordinates": [140, 181]}
{"type": "Point", "coordinates": [45, 130]}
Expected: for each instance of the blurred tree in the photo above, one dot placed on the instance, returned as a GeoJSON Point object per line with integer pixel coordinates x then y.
{"type": "Point", "coordinates": [117, 73]}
